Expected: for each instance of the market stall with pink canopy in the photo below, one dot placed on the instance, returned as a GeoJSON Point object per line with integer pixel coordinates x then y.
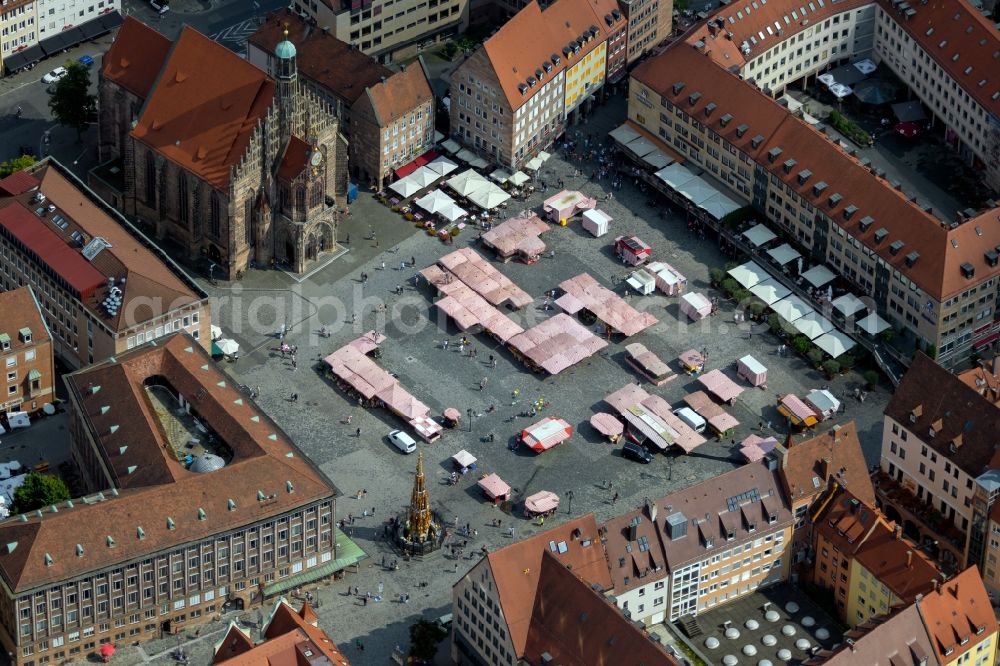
{"type": "Point", "coordinates": [517, 237]}
{"type": "Point", "coordinates": [754, 447]}
{"type": "Point", "coordinates": [494, 488]}
{"type": "Point", "coordinates": [546, 434]}
{"type": "Point", "coordinates": [564, 205]}
{"type": "Point", "coordinates": [721, 386]}
{"type": "Point", "coordinates": [751, 370]}
{"type": "Point", "coordinates": [696, 306]}
{"type": "Point", "coordinates": [583, 292]}
{"type": "Point", "coordinates": [542, 503]}
{"type": "Point", "coordinates": [650, 418]}
{"type": "Point", "coordinates": [607, 425]}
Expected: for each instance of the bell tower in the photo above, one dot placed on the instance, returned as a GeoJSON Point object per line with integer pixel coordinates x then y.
{"type": "Point", "coordinates": [286, 73]}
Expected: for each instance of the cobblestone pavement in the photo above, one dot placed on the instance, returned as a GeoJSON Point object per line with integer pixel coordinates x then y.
{"type": "Point", "coordinates": [253, 309]}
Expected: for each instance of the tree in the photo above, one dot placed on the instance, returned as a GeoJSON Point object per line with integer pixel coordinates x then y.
{"type": "Point", "coordinates": [931, 350]}
{"type": "Point", "coordinates": [871, 379]}
{"type": "Point", "coordinates": [16, 164]}
{"type": "Point", "coordinates": [39, 490]}
{"type": "Point", "coordinates": [716, 276]}
{"type": "Point", "coordinates": [424, 638]}
{"type": "Point", "coordinates": [846, 361]}
{"type": "Point", "coordinates": [831, 368]}
{"type": "Point", "coordinates": [801, 344]}
{"type": "Point", "coordinates": [815, 356]}
{"type": "Point", "coordinates": [72, 104]}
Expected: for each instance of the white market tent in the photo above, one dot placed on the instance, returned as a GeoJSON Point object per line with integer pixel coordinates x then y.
{"type": "Point", "coordinates": [451, 146]}
{"type": "Point", "coordinates": [826, 79]}
{"type": "Point", "coordinates": [452, 212]}
{"type": "Point", "coordinates": [500, 176]}
{"type": "Point", "coordinates": [812, 325]}
{"type": "Point", "coordinates": [770, 291]}
{"type": "Point", "coordinates": [834, 343]}
{"type": "Point", "coordinates": [848, 304]}
{"type": "Point", "coordinates": [467, 182]}
{"type": "Point", "coordinates": [748, 274]}
{"type": "Point", "coordinates": [488, 197]}
{"type": "Point", "coordinates": [405, 187]}
{"type": "Point", "coordinates": [872, 324]}
{"type": "Point", "coordinates": [434, 201]}
{"type": "Point", "coordinates": [784, 254]}
{"type": "Point", "coordinates": [697, 190]}
{"type": "Point", "coordinates": [675, 175]}
{"type": "Point", "coordinates": [819, 275]}
{"type": "Point", "coordinates": [424, 177]}
{"type": "Point", "coordinates": [534, 164]}
{"type": "Point", "coordinates": [841, 91]}
{"type": "Point", "coordinates": [792, 308]}
{"type": "Point", "coordinates": [623, 134]}
{"type": "Point", "coordinates": [544, 155]}
{"type": "Point", "coordinates": [759, 235]}
{"type": "Point", "coordinates": [442, 166]}
{"type": "Point", "coordinates": [519, 178]}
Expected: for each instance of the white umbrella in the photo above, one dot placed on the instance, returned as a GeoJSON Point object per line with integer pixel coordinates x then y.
{"type": "Point", "coordinates": [405, 187]}
{"type": "Point", "coordinates": [489, 198]}
{"type": "Point", "coordinates": [216, 332]}
{"type": "Point", "coordinates": [834, 343]}
{"type": "Point", "coordinates": [442, 166]}
{"type": "Point", "coordinates": [544, 156]}
{"type": "Point", "coordinates": [534, 164]}
{"type": "Point", "coordinates": [227, 346]}
{"type": "Point", "coordinates": [519, 178]}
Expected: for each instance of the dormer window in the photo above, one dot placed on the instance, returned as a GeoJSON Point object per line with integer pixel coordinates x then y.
{"type": "Point", "coordinates": [4, 341]}
{"type": "Point", "coordinates": [752, 527]}
{"type": "Point", "coordinates": [25, 335]}
{"type": "Point", "coordinates": [772, 518]}
{"type": "Point", "coordinates": [741, 130]}
{"type": "Point", "coordinates": [965, 640]}
{"type": "Point", "coordinates": [730, 534]}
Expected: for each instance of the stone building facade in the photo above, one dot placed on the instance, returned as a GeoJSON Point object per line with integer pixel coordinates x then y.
{"type": "Point", "coordinates": [252, 181]}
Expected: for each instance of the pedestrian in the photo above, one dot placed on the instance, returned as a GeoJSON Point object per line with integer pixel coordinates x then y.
{"type": "Point", "coordinates": [357, 433]}
{"type": "Point", "coordinates": [383, 265]}
{"type": "Point", "coordinates": [413, 261]}
{"type": "Point", "coordinates": [295, 364]}
{"type": "Point", "coordinates": [347, 239]}
{"type": "Point", "coordinates": [446, 345]}
{"type": "Point", "coordinates": [354, 318]}
{"type": "Point", "coordinates": [492, 361]}
{"type": "Point", "coordinates": [373, 508]}
{"type": "Point", "coordinates": [614, 500]}
{"type": "Point", "coordinates": [257, 391]}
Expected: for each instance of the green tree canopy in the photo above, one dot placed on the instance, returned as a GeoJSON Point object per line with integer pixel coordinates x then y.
{"type": "Point", "coordinates": [72, 104]}
{"type": "Point", "coordinates": [16, 164]}
{"type": "Point", "coordinates": [424, 639]}
{"type": "Point", "coordinates": [39, 490]}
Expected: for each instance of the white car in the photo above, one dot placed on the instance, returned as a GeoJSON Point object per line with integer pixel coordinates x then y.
{"type": "Point", "coordinates": [55, 75]}
{"type": "Point", "coordinates": [402, 441]}
{"type": "Point", "coordinates": [160, 6]}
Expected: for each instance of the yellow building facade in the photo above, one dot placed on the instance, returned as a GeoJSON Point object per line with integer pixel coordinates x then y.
{"type": "Point", "coordinates": [867, 596]}
{"type": "Point", "coordinates": [585, 75]}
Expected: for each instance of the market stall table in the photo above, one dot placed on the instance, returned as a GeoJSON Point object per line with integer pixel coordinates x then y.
{"type": "Point", "coordinates": [695, 306]}
{"type": "Point", "coordinates": [607, 424]}
{"type": "Point", "coordinates": [648, 364]}
{"type": "Point", "coordinates": [494, 488]}
{"type": "Point", "coordinates": [542, 503]}
{"type": "Point", "coordinates": [567, 203]}
{"type": "Point", "coordinates": [464, 461]}
{"type": "Point", "coordinates": [546, 434]}
{"type": "Point", "coordinates": [650, 418]}
{"type": "Point", "coordinates": [798, 412]}
{"type": "Point", "coordinates": [751, 370]}
{"type": "Point", "coordinates": [668, 279]}
{"type": "Point", "coordinates": [721, 386]}
{"type": "Point", "coordinates": [692, 361]}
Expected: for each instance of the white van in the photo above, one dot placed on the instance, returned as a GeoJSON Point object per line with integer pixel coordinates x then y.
{"type": "Point", "coordinates": [402, 441]}
{"type": "Point", "coordinates": [690, 417]}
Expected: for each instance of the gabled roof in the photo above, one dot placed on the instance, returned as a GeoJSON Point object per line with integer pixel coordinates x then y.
{"type": "Point", "coordinates": [168, 504]}
{"type": "Point", "coordinates": [898, 639]}
{"type": "Point", "coordinates": [516, 569]}
{"type": "Point", "coordinates": [577, 626]}
{"type": "Point", "coordinates": [294, 160]}
{"type": "Point", "coordinates": [201, 117]}
{"type": "Point", "coordinates": [770, 134]}
{"type": "Point", "coordinates": [632, 561]}
{"type": "Point", "coordinates": [846, 521]}
{"type": "Point", "coordinates": [958, 616]}
{"type": "Point", "coordinates": [327, 61]}
{"type": "Point", "coordinates": [961, 41]}
{"type": "Point", "coordinates": [965, 423]}
{"type": "Point", "coordinates": [897, 563]}
{"type": "Point", "coordinates": [21, 310]}
{"type": "Point", "coordinates": [836, 453]}
{"type": "Point", "coordinates": [135, 57]}
{"type": "Point", "coordinates": [401, 93]}
{"type": "Point", "coordinates": [289, 640]}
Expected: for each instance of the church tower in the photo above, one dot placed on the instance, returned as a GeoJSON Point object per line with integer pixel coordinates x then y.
{"type": "Point", "coordinates": [286, 72]}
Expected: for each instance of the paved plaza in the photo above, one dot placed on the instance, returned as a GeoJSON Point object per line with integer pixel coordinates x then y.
{"type": "Point", "coordinates": [253, 310]}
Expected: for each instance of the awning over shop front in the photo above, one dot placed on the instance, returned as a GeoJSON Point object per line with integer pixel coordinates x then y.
{"type": "Point", "coordinates": [623, 134]}
{"type": "Point", "coordinates": [640, 146]}
{"type": "Point", "coordinates": [61, 41]}
{"type": "Point", "coordinates": [22, 58]}
{"type": "Point", "coordinates": [909, 112]}
{"type": "Point", "coordinates": [111, 20]}
{"type": "Point", "coordinates": [759, 235]}
{"type": "Point", "coordinates": [658, 159]}
{"type": "Point", "coordinates": [697, 190]}
{"type": "Point", "coordinates": [348, 552]}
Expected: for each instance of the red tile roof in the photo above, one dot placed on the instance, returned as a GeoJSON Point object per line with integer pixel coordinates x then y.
{"type": "Point", "coordinates": [759, 126]}
{"type": "Point", "coordinates": [200, 117]}
{"type": "Point", "coordinates": [577, 626]}
{"type": "Point", "coordinates": [836, 453]}
{"type": "Point", "coordinates": [517, 567]}
{"type": "Point", "coordinates": [898, 564]}
{"type": "Point", "coordinates": [289, 639]}
{"type": "Point", "coordinates": [167, 500]}
{"type": "Point", "coordinates": [295, 159]}
{"type": "Point", "coordinates": [17, 183]}
{"type": "Point", "coordinates": [401, 93]}
{"type": "Point", "coordinates": [958, 616]}
{"type": "Point", "coordinates": [21, 310]}
{"type": "Point", "coordinates": [961, 41]}
{"type": "Point", "coordinates": [135, 57]}
{"type": "Point", "coordinates": [64, 260]}
{"type": "Point", "coordinates": [898, 639]}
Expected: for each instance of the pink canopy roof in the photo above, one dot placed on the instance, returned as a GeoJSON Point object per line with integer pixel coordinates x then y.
{"type": "Point", "coordinates": [480, 276]}
{"type": "Point", "coordinates": [721, 386]}
{"type": "Point", "coordinates": [557, 343]}
{"type": "Point", "coordinates": [754, 447]}
{"type": "Point", "coordinates": [606, 424]}
{"type": "Point", "coordinates": [797, 407]}
{"type": "Point", "coordinates": [518, 234]}
{"type": "Point", "coordinates": [542, 502]}
{"type": "Point", "coordinates": [469, 309]}
{"type": "Point", "coordinates": [692, 359]}
{"type": "Point", "coordinates": [605, 304]}
{"type": "Point", "coordinates": [717, 417]}
{"type": "Point", "coordinates": [368, 342]}
{"type": "Point", "coordinates": [494, 486]}
{"type": "Point", "coordinates": [547, 433]}
{"type": "Point", "coordinates": [652, 416]}
{"type": "Point", "coordinates": [568, 203]}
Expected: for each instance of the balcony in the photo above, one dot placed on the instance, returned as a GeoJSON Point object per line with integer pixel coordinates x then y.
{"type": "Point", "coordinates": [918, 511]}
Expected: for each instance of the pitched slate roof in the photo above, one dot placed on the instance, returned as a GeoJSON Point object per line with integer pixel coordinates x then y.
{"type": "Point", "coordinates": [167, 504]}
{"type": "Point", "coordinates": [202, 117]}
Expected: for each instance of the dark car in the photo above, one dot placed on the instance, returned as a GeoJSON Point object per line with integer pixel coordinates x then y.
{"type": "Point", "coordinates": [636, 452]}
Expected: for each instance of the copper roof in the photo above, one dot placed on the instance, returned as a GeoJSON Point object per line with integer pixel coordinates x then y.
{"type": "Point", "coordinates": [961, 40]}
{"type": "Point", "coordinates": [576, 625]}
{"type": "Point", "coordinates": [965, 423]}
{"type": "Point", "coordinates": [401, 93]}
{"type": "Point", "coordinates": [836, 453]}
{"type": "Point", "coordinates": [150, 282]}
{"type": "Point", "coordinates": [135, 57]}
{"type": "Point", "coordinates": [517, 568]}
{"type": "Point", "coordinates": [290, 638]}
{"type": "Point", "coordinates": [958, 616]}
{"type": "Point", "coordinates": [199, 117]}
{"type": "Point", "coordinates": [329, 62]}
{"type": "Point", "coordinates": [21, 310]}
{"type": "Point", "coordinates": [770, 135]}
{"type": "Point", "coordinates": [162, 504]}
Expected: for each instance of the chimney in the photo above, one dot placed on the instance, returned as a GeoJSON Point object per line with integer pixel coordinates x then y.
{"type": "Point", "coordinates": [824, 468]}
{"type": "Point", "coordinates": [996, 366]}
{"type": "Point", "coordinates": [898, 531]}
{"type": "Point", "coordinates": [632, 531]}
{"type": "Point", "coordinates": [651, 510]}
{"type": "Point", "coordinates": [909, 559]}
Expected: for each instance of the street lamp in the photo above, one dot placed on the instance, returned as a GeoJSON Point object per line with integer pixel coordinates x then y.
{"type": "Point", "coordinates": [569, 496]}
{"type": "Point", "coordinates": [470, 412]}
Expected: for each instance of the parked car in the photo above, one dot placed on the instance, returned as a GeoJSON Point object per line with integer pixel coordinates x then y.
{"type": "Point", "coordinates": [636, 452]}
{"type": "Point", "coordinates": [402, 441]}
{"type": "Point", "coordinates": [161, 6]}
{"type": "Point", "coordinates": [55, 75]}
{"type": "Point", "coordinates": [86, 60]}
